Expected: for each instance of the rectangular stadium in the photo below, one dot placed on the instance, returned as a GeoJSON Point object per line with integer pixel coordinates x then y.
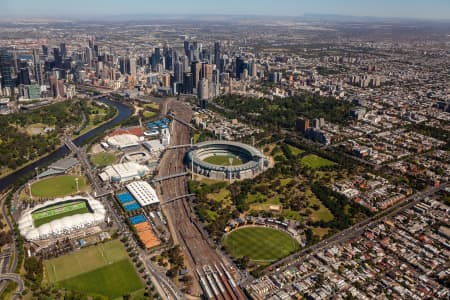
{"type": "Point", "coordinates": [60, 217]}
{"type": "Point", "coordinates": [57, 211]}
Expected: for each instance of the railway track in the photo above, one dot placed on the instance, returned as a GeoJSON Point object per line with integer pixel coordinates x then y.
{"type": "Point", "coordinates": [198, 253]}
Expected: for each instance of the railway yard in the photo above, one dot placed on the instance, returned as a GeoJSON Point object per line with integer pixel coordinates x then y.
{"type": "Point", "coordinates": [212, 272]}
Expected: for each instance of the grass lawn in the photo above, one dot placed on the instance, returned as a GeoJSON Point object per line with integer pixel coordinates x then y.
{"type": "Point", "coordinates": [319, 231]}
{"type": "Point", "coordinates": [153, 106]}
{"type": "Point", "coordinates": [315, 162]}
{"type": "Point", "coordinates": [223, 160]}
{"type": "Point", "coordinates": [262, 245]}
{"type": "Point", "coordinates": [112, 281]}
{"type": "Point", "coordinates": [83, 261]}
{"type": "Point", "coordinates": [103, 159]}
{"type": "Point", "coordinates": [149, 114]}
{"type": "Point", "coordinates": [323, 213]}
{"type": "Point", "coordinates": [57, 186]}
{"type": "Point", "coordinates": [294, 150]}
{"type": "Point", "coordinates": [223, 196]}
{"type": "Point", "coordinates": [104, 269]}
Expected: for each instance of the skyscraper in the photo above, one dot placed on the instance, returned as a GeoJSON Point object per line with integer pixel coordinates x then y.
{"type": "Point", "coordinates": [240, 66]}
{"type": "Point", "coordinates": [217, 54]}
{"type": "Point", "coordinates": [195, 70]}
{"type": "Point", "coordinates": [45, 51]}
{"type": "Point", "coordinates": [187, 83]}
{"type": "Point", "coordinates": [24, 76]}
{"type": "Point", "coordinates": [5, 68]}
{"type": "Point", "coordinates": [133, 67]}
{"type": "Point", "coordinates": [63, 49]}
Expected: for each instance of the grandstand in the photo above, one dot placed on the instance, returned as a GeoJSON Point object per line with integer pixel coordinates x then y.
{"type": "Point", "coordinates": [60, 217]}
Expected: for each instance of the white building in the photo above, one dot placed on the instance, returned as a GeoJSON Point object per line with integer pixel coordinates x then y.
{"type": "Point", "coordinates": [124, 172]}
{"type": "Point", "coordinates": [143, 193]}
{"type": "Point", "coordinates": [122, 141]}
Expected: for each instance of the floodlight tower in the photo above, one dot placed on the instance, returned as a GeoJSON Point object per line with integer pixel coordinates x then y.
{"type": "Point", "coordinates": [230, 160]}
{"type": "Point", "coordinates": [29, 190]}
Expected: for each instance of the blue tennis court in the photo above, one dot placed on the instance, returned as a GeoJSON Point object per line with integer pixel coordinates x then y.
{"type": "Point", "coordinates": [131, 207]}
{"type": "Point", "coordinates": [125, 198]}
{"type": "Point", "coordinates": [137, 219]}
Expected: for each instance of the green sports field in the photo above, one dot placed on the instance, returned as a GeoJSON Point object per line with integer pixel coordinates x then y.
{"type": "Point", "coordinates": [59, 211]}
{"type": "Point", "coordinates": [103, 159]}
{"type": "Point", "coordinates": [57, 186]}
{"type": "Point", "coordinates": [262, 245]}
{"type": "Point", "coordinates": [315, 162]}
{"type": "Point", "coordinates": [104, 269]}
{"type": "Point", "coordinates": [223, 160]}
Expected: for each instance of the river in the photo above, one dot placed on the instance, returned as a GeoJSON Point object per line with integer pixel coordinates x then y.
{"type": "Point", "coordinates": [124, 112]}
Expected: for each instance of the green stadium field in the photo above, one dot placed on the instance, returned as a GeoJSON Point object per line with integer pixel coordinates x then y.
{"type": "Point", "coordinates": [104, 269]}
{"type": "Point", "coordinates": [57, 186]}
{"type": "Point", "coordinates": [261, 245]}
{"type": "Point", "coordinates": [59, 211]}
{"type": "Point", "coordinates": [315, 162]}
{"type": "Point", "coordinates": [223, 160]}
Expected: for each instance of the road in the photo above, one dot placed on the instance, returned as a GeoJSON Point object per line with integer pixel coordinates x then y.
{"type": "Point", "coordinates": [17, 279]}
{"type": "Point", "coordinates": [353, 231]}
{"type": "Point", "coordinates": [13, 253]}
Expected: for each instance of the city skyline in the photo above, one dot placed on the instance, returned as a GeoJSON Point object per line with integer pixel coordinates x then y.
{"type": "Point", "coordinates": [433, 9]}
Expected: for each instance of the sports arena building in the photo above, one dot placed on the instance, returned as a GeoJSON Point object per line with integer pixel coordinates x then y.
{"type": "Point", "coordinates": [253, 161]}
{"type": "Point", "coordinates": [60, 217]}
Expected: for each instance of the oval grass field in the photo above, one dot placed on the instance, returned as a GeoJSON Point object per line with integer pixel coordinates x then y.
{"type": "Point", "coordinates": [57, 186]}
{"type": "Point", "coordinates": [261, 245]}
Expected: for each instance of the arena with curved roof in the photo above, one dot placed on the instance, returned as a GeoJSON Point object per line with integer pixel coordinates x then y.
{"type": "Point", "coordinates": [60, 217]}
{"type": "Point", "coordinates": [226, 160]}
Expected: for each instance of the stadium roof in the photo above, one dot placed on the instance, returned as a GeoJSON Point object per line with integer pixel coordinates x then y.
{"type": "Point", "coordinates": [123, 140]}
{"type": "Point", "coordinates": [143, 193]}
{"type": "Point", "coordinates": [64, 225]}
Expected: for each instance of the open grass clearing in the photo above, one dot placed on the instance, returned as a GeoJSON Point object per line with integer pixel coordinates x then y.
{"type": "Point", "coordinates": [315, 162]}
{"type": "Point", "coordinates": [103, 159]}
{"type": "Point", "coordinates": [84, 260]}
{"type": "Point", "coordinates": [57, 186]}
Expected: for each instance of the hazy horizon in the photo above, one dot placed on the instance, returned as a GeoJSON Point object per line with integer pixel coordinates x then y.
{"type": "Point", "coordinates": [437, 10]}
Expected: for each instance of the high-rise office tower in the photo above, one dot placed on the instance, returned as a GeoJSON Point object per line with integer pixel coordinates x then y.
{"type": "Point", "coordinates": [207, 71]}
{"type": "Point", "coordinates": [156, 58]}
{"type": "Point", "coordinates": [37, 67]}
{"type": "Point", "coordinates": [217, 54]}
{"type": "Point", "coordinates": [187, 83]}
{"type": "Point", "coordinates": [196, 71]}
{"type": "Point", "coordinates": [178, 70]}
{"type": "Point", "coordinates": [133, 67]}
{"type": "Point", "coordinates": [239, 67]}
{"type": "Point", "coordinates": [124, 65]}
{"type": "Point", "coordinates": [24, 76]}
{"type": "Point", "coordinates": [57, 57]}
{"type": "Point", "coordinates": [45, 51]}
{"type": "Point", "coordinates": [186, 48]}
{"type": "Point", "coordinates": [5, 69]}
{"type": "Point", "coordinates": [63, 49]}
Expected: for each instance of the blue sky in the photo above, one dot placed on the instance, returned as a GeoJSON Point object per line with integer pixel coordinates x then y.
{"type": "Point", "coordinates": [424, 9]}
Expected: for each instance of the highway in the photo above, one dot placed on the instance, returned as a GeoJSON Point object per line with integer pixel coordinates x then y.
{"type": "Point", "coordinates": [13, 253]}
{"type": "Point", "coordinates": [352, 231]}
{"type": "Point", "coordinates": [17, 279]}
